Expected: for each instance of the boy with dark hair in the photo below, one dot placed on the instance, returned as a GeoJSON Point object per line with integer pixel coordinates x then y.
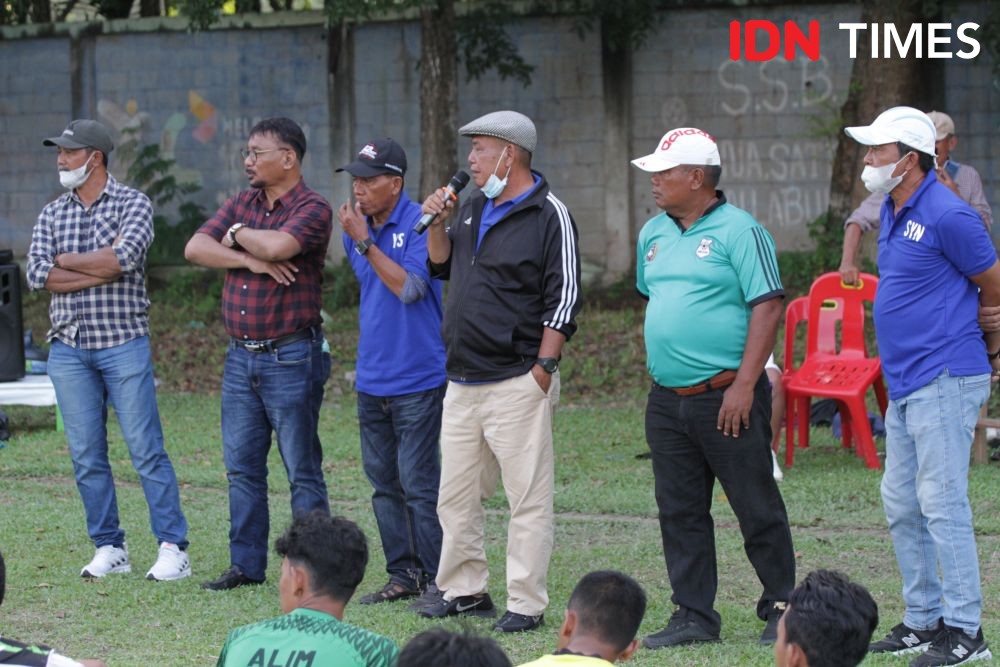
{"type": "Point", "coordinates": [828, 623]}
{"type": "Point", "coordinates": [440, 648]}
{"type": "Point", "coordinates": [324, 560]}
{"type": "Point", "coordinates": [600, 622]}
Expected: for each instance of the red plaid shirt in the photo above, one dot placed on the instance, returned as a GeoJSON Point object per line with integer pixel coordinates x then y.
{"type": "Point", "coordinates": [255, 306]}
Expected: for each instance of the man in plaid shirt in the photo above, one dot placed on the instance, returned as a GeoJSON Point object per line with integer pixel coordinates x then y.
{"type": "Point", "coordinates": [272, 241]}
{"type": "Point", "coordinates": [89, 250]}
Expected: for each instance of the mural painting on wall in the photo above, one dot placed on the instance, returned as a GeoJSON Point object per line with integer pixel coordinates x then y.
{"type": "Point", "coordinates": [212, 160]}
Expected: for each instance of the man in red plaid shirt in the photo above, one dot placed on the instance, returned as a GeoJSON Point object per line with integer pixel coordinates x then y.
{"type": "Point", "coordinates": [272, 240]}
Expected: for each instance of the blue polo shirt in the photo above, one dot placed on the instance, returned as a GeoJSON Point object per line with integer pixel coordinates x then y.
{"type": "Point", "coordinates": [926, 307]}
{"type": "Point", "coordinates": [493, 214]}
{"type": "Point", "coordinates": [400, 350]}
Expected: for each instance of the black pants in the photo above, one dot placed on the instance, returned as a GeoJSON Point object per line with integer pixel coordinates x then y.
{"type": "Point", "coordinates": [689, 454]}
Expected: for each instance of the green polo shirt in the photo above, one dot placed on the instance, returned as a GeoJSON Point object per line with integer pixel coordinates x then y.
{"type": "Point", "coordinates": [701, 284]}
{"type": "Point", "coordinates": [306, 638]}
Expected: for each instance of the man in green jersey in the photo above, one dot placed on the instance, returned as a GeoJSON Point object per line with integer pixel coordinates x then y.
{"type": "Point", "coordinates": [323, 561]}
{"type": "Point", "coordinates": [709, 272]}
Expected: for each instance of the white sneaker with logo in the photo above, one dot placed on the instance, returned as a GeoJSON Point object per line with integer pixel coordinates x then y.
{"type": "Point", "coordinates": [107, 560]}
{"type": "Point", "coordinates": [170, 565]}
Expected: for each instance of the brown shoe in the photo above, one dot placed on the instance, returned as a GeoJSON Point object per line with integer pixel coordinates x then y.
{"type": "Point", "coordinates": [391, 591]}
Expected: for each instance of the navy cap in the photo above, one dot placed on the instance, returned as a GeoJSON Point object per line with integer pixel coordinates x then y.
{"type": "Point", "coordinates": [382, 156]}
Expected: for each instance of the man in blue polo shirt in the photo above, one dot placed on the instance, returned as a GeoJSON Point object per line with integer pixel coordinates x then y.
{"type": "Point", "coordinates": [400, 369]}
{"type": "Point", "coordinates": [936, 262]}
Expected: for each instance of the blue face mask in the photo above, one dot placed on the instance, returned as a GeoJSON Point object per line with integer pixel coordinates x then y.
{"type": "Point", "coordinates": [494, 186]}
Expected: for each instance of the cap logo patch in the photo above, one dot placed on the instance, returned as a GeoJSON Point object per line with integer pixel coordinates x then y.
{"type": "Point", "coordinates": [369, 152]}
{"type": "Point", "coordinates": [669, 140]}
{"type": "Point", "coordinates": [704, 248]}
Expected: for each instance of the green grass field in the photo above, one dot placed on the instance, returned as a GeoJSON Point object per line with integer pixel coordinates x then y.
{"type": "Point", "coordinates": [604, 502]}
{"type": "Point", "coordinates": [606, 519]}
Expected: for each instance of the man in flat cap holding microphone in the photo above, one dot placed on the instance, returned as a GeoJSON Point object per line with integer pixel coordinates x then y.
{"type": "Point", "coordinates": [512, 256]}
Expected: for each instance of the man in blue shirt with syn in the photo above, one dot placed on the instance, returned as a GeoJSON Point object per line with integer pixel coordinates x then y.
{"type": "Point", "coordinates": [936, 262]}
{"type": "Point", "coordinates": [400, 369]}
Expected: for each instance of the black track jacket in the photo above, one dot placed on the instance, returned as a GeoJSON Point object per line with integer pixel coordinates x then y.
{"type": "Point", "coordinates": [525, 276]}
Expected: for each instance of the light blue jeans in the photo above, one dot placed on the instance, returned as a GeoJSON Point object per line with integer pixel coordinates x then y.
{"type": "Point", "coordinates": [925, 494]}
{"type": "Point", "coordinates": [86, 382]}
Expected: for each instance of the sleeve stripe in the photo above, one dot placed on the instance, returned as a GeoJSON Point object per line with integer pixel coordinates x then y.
{"type": "Point", "coordinates": [767, 260]}
{"type": "Point", "coordinates": [570, 289]}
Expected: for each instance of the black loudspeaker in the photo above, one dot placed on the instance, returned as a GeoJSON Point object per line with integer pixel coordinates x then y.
{"type": "Point", "coordinates": [11, 330]}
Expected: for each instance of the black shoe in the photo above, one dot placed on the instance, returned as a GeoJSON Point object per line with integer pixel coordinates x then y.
{"type": "Point", "coordinates": [464, 605]}
{"type": "Point", "coordinates": [231, 578]}
{"type": "Point", "coordinates": [953, 647]}
{"type": "Point", "coordinates": [903, 640]}
{"type": "Point", "coordinates": [431, 596]}
{"type": "Point", "coordinates": [770, 634]}
{"type": "Point", "coordinates": [388, 593]}
{"type": "Point", "coordinates": [514, 622]}
{"type": "Point", "coordinates": [679, 631]}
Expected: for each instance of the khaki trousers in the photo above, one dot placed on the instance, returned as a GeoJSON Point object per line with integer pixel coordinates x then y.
{"type": "Point", "coordinates": [500, 427]}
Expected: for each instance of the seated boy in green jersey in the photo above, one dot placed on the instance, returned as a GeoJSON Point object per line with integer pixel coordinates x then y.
{"type": "Point", "coordinates": [600, 622]}
{"type": "Point", "coordinates": [323, 561]}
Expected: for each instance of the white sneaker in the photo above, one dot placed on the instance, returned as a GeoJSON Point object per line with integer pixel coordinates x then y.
{"type": "Point", "coordinates": [170, 565]}
{"type": "Point", "coordinates": [107, 560]}
{"type": "Point", "coordinates": [778, 475]}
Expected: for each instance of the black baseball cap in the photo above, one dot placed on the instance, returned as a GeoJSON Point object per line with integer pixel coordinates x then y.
{"type": "Point", "coordinates": [382, 156]}
{"type": "Point", "coordinates": [83, 133]}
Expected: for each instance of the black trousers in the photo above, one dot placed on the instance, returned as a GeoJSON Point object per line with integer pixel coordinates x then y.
{"type": "Point", "coordinates": [688, 455]}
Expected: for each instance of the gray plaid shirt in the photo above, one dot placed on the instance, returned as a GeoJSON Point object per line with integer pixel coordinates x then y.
{"type": "Point", "coordinates": [106, 315]}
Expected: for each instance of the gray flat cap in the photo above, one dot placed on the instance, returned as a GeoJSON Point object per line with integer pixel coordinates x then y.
{"type": "Point", "coordinates": [507, 125]}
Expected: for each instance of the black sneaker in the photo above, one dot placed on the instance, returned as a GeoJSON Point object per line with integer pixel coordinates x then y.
{"type": "Point", "coordinates": [953, 647]}
{"type": "Point", "coordinates": [431, 596]}
{"type": "Point", "coordinates": [389, 593]}
{"type": "Point", "coordinates": [679, 631]}
{"type": "Point", "coordinates": [514, 622]}
{"type": "Point", "coordinates": [903, 640]}
{"type": "Point", "coordinates": [231, 578]}
{"type": "Point", "coordinates": [770, 634]}
{"type": "Point", "coordinates": [464, 605]}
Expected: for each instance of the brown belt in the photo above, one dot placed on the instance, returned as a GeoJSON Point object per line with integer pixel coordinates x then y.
{"type": "Point", "coordinates": [723, 379]}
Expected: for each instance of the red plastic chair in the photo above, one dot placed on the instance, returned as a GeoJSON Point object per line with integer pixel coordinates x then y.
{"type": "Point", "coordinates": [797, 408]}
{"type": "Point", "coordinates": [843, 373]}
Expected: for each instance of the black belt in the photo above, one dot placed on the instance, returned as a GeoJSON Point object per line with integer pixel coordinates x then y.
{"type": "Point", "coordinates": [274, 343]}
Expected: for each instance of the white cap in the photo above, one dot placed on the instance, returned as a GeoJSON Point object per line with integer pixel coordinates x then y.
{"type": "Point", "coordinates": [904, 124]}
{"type": "Point", "coordinates": [684, 145]}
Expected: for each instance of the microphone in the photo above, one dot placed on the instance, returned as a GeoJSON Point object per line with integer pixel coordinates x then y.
{"type": "Point", "coordinates": [455, 185]}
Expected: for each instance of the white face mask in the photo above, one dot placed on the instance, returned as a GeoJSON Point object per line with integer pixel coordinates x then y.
{"type": "Point", "coordinates": [880, 179]}
{"type": "Point", "coordinates": [74, 178]}
{"type": "Point", "coordinates": [494, 186]}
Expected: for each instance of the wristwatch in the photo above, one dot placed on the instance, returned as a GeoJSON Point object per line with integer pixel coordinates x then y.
{"type": "Point", "coordinates": [232, 235]}
{"type": "Point", "coordinates": [549, 364]}
{"type": "Point", "coordinates": [362, 247]}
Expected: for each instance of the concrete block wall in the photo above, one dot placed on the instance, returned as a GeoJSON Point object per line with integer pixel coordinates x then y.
{"type": "Point", "coordinates": [197, 95]}
{"type": "Point", "coordinates": [34, 103]}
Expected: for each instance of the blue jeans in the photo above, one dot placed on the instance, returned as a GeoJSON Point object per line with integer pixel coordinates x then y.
{"type": "Point", "coordinates": [86, 382]}
{"type": "Point", "coordinates": [399, 449]}
{"type": "Point", "coordinates": [925, 493]}
{"type": "Point", "coordinates": [265, 393]}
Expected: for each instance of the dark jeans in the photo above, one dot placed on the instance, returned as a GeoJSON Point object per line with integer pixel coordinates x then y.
{"type": "Point", "coordinates": [265, 393]}
{"type": "Point", "coordinates": [400, 452]}
{"type": "Point", "coordinates": [689, 454]}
